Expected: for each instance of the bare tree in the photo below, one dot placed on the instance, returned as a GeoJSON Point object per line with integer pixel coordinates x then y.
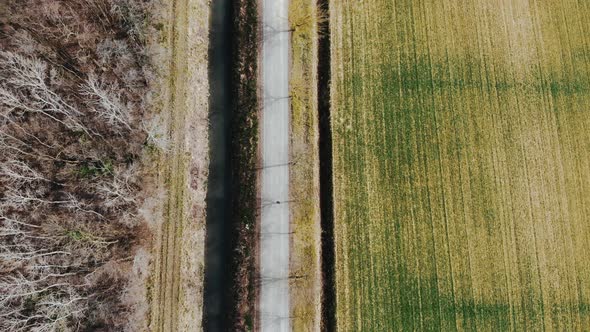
{"type": "Point", "coordinates": [107, 101]}
{"type": "Point", "coordinates": [25, 90]}
{"type": "Point", "coordinates": [71, 91]}
{"type": "Point", "coordinates": [156, 133]}
{"type": "Point", "coordinates": [19, 172]}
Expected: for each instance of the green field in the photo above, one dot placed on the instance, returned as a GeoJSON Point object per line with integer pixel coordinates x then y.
{"type": "Point", "coordinates": [462, 164]}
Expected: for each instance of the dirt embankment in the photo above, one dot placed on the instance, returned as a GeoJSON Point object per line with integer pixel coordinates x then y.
{"type": "Point", "coordinates": [176, 285]}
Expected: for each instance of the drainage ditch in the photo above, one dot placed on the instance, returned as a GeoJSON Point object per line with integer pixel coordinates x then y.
{"type": "Point", "coordinates": [328, 322]}
{"type": "Point", "coordinates": [217, 279]}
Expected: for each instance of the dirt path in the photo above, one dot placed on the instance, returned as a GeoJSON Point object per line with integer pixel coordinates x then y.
{"type": "Point", "coordinates": [176, 288]}
{"type": "Point", "coordinates": [275, 228]}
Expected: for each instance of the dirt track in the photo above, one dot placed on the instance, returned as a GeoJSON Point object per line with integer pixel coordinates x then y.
{"type": "Point", "coordinates": [177, 280]}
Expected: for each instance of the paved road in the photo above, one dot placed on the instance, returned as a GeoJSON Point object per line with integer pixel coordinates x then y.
{"type": "Point", "coordinates": [274, 242]}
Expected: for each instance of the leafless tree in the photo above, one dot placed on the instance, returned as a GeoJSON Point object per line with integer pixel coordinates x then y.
{"type": "Point", "coordinates": [71, 136]}
{"type": "Point", "coordinates": [107, 102]}
{"type": "Point", "coordinates": [25, 90]}
{"type": "Point", "coordinates": [156, 133]}
{"type": "Point", "coordinates": [17, 171]}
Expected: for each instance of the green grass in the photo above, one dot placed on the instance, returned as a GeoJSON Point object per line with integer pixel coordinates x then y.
{"type": "Point", "coordinates": [89, 170]}
{"type": "Point", "coordinates": [462, 164]}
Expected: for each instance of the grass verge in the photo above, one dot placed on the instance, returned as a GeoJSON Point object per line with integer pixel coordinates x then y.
{"type": "Point", "coordinates": [306, 288]}
{"type": "Point", "coordinates": [177, 269]}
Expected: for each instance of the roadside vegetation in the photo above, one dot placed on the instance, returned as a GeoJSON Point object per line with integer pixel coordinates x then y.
{"type": "Point", "coordinates": [461, 162]}
{"type": "Point", "coordinates": [305, 285]}
{"type": "Point", "coordinates": [244, 163]}
{"type": "Point", "coordinates": [76, 138]}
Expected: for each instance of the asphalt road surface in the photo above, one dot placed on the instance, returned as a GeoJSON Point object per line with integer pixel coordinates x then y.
{"type": "Point", "coordinates": [274, 241]}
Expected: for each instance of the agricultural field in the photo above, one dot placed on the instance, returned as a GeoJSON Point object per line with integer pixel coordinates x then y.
{"type": "Point", "coordinates": [461, 164]}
